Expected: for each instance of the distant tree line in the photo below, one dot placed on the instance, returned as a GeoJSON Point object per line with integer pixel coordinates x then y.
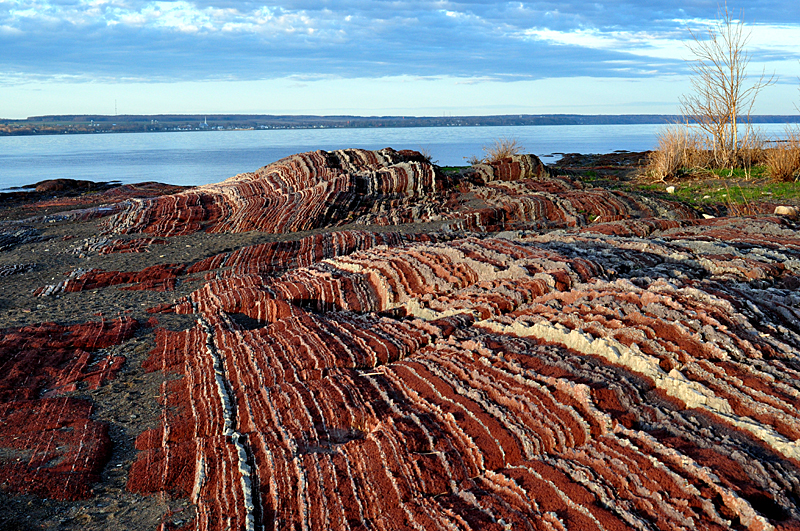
{"type": "Point", "coordinates": [81, 124]}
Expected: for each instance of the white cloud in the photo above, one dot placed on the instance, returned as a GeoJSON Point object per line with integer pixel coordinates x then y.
{"type": "Point", "coordinates": [641, 43]}
{"type": "Point", "coordinates": [473, 42]}
{"type": "Point", "coordinates": [672, 45]}
{"type": "Point", "coordinates": [181, 16]}
{"type": "Point", "coordinates": [8, 30]}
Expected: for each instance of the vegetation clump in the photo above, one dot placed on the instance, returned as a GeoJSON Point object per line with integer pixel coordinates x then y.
{"type": "Point", "coordinates": [717, 133]}
{"type": "Point", "coordinates": [682, 152]}
{"type": "Point", "coordinates": [783, 159]}
{"type": "Point", "coordinates": [500, 149]}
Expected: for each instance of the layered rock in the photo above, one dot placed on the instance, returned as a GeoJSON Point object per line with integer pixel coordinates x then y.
{"type": "Point", "coordinates": [636, 368]}
{"type": "Point", "coordinates": [569, 380]}
{"type": "Point", "coordinates": [159, 278]}
{"type": "Point", "coordinates": [48, 443]}
{"type": "Point", "coordinates": [297, 193]}
{"type": "Point", "coordinates": [325, 189]}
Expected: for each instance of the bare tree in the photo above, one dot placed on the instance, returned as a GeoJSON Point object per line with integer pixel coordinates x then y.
{"type": "Point", "coordinates": [722, 99]}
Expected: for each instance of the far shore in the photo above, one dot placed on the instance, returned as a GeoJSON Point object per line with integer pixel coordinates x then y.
{"type": "Point", "coordinates": [100, 124]}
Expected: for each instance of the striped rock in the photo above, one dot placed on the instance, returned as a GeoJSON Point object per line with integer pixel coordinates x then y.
{"type": "Point", "coordinates": [327, 189]}
{"type": "Point", "coordinates": [49, 445]}
{"type": "Point", "coordinates": [297, 193]}
{"type": "Point", "coordinates": [159, 278]}
{"type": "Point", "coordinates": [642, 374]}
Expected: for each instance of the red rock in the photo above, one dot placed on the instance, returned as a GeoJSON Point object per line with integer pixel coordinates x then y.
{"type": "Point", "coordinates": [636, 369]}
{"type": "Point", "coordinates": [277, 257]}
{"type": "Point", "coordinates": [513, 168]}
{"type": "Point", "coordinates": [49, 446]}
{"type": "Point", "coordinates": [325, 189]}
{"type": "Point", "coordinates": [159, 278]}
{"type": "Point", "coordinates": [484, 383]}
{"type": "Point", "coordinates": [298, 193]}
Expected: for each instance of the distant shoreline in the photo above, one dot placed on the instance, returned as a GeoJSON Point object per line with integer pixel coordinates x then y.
{"type": "Point", "coordinates": [100, 124]}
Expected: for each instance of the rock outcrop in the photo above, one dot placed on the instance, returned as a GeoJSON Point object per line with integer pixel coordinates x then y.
{"type": "Point", "coordinates": [607, 361]}
{"type": "Point", "coordinates": [49, 444]}
{"type": "Point", "coordinates": [589, 379]}
{"type": "Point", "coordinates": [327, 189]}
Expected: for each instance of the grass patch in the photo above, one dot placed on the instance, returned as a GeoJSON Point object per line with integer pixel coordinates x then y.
{"type": "Point", "coordinates": [716, 191]}
{"type": "Point", "coordinates": [756, 172]}
{"type": "Point", "coordinates": [452, 170]}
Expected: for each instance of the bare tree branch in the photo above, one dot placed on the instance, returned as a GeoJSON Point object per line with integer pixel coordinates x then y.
{"type": "Point", "coordinates": [721, 98]}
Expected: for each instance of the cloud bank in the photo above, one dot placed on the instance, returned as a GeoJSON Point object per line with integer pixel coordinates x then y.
{"type": "Point", "coordinates": [382, 56]}
{"type": "Point", "coordinates": [219, 39]}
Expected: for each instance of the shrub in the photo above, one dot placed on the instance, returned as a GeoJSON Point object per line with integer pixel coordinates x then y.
{"type": "Point", "coordinates": [678, 150]}
{"type": "Point", "coordinates": [426, 153]}
{"type": "Point", "coordinates": [783, 160]}
{"type": "Point", "coordinates": [501, 148]}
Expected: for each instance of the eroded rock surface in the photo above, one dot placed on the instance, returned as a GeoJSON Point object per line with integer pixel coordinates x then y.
{"type": "Point", "coordinates": [571, 379]}
{"type": "Point", "coordinates": [608, 361]}
{"type": "Point", "coordinates": [48, 443]}
{"type": "Point", "coordinates": [321, 189]}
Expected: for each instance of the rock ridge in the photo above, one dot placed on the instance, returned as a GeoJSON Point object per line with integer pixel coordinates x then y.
{"type": "Point", "coordinates": [497, 348]}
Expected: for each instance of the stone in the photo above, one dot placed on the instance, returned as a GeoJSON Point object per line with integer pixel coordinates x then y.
{"type": "Point", "coordinates": [49, 445]}
{"type": "Point", "coordinates": [788, 211]}
{"type": "Point", "coordinates": [483, 378]}
{"type": "Point", "coordinates": [60, 185]}
{"type": "Point", "coordinates": [502, 349]}
{"type": "Point", "coordinates": [328, 189]}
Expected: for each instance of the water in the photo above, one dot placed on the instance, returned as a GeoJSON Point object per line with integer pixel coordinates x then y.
{"type": "Point", "coordinates": [193, 158]}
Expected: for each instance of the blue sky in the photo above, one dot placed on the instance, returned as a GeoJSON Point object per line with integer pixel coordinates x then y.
{"type": "Point", "coordinates": [399, 57]}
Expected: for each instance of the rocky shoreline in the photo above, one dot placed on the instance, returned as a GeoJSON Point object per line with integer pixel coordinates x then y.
{"type": "Point", "coordinates": [359, 340]}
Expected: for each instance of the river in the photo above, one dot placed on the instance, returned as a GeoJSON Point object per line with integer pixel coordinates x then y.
{"type": "Point", "coordinates": [202, 157]}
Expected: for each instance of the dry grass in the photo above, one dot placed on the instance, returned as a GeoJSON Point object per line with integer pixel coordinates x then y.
{"type": "Point", "coordinates": [500, 149]}
{"type": "Point", "coordinates": [783, 160]}
{"type": "Point", "coordinates": [751, 151]}
{"type": "Point", "coordinates": [679, 150]}
{"type": "Point", "coordinates": [738, 207]}
{"type": "Point", "coordinates": [682, 151]}
{"type": "Point", "coordinates": [427, 154]}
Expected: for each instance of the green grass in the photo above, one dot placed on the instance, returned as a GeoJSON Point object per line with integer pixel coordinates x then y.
{"type": "Point", "coordinates": [451, 169]}
{"type": "Point", "coordinates": [715, 192]}
{"type": "Point", "coordinates": [756, 172]}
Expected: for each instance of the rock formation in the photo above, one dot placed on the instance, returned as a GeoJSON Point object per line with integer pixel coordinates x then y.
{"type": "Point", "coordinates": [571, 380]}
{"type": "Point", "coordinates": [323, 189]}
{"type": "Point", "coordinates": [54, 448]}
{"type": "Point", "coordinates": [607, 361]}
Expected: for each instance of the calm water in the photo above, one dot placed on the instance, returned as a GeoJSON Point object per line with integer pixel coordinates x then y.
{"type": "Point", "coordinates": [192, 158]}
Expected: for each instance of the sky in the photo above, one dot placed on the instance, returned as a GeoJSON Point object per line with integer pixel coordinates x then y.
{"type": "Point", "coordinates": [380, 57]}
